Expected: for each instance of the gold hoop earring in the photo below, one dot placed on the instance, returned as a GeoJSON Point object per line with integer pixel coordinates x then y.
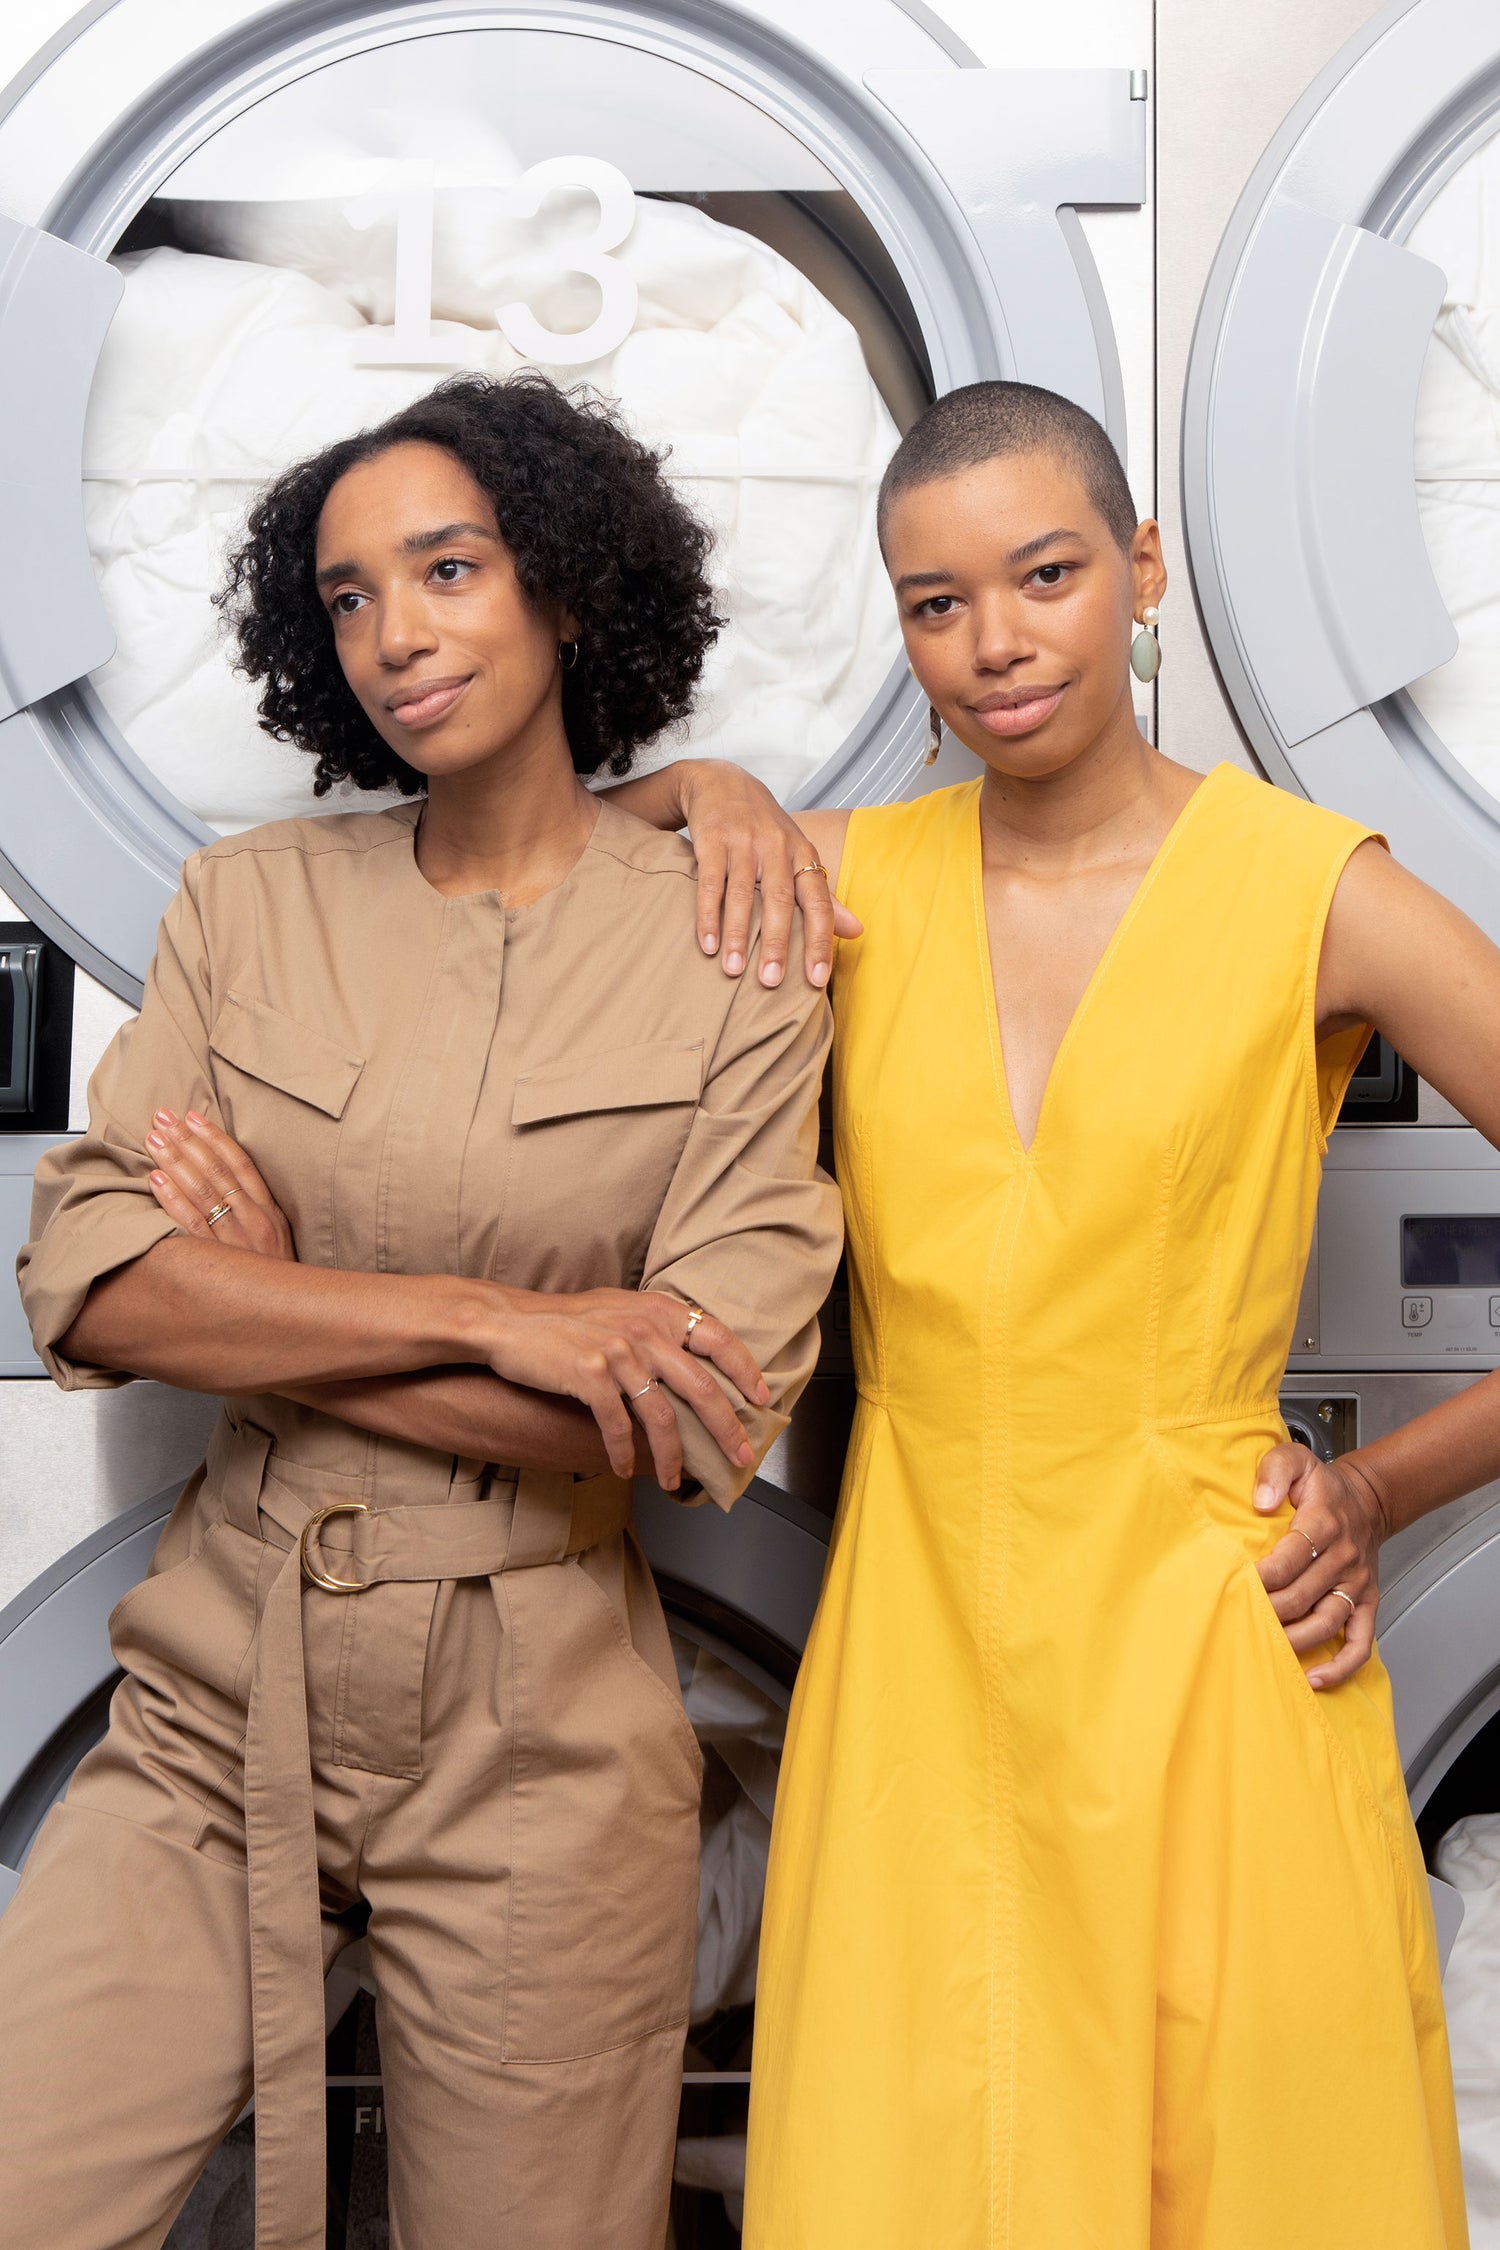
{"type": "Point", "coordinates": [1145, 649]}
{"type": "Point", "coordinates": [934, 735]}
{"type": "Point", "coordinates": [564, 659]}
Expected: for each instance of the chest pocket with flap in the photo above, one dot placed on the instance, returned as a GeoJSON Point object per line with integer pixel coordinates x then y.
{"type": "Point", "coordinates": [596, 1140]}
{"type": "Point", "coordinates": [282, 1095]}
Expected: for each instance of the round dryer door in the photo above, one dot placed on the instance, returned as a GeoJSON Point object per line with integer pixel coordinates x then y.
{"type": "Point", "coordinates": [771, 230]}
{"type": "Point", "coordinates": [1341, 445]}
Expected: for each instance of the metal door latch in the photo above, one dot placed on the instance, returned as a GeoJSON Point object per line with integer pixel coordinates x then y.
{"type": "Point", "coordinates": [20, 976]}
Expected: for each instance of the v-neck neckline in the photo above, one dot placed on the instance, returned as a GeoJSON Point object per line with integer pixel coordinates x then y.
{"type": "Point", "coordinates": [1027, 1149]}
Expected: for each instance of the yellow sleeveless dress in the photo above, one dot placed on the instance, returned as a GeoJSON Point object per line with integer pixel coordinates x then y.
{"type": "Point", "coordinates": [1090, 1926]}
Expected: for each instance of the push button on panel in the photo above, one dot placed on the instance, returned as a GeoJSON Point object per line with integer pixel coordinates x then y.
{"type": "Point", "coordinates": [1416, 1312]}
{"type": "Point", "coordinates": [1495, 1312]}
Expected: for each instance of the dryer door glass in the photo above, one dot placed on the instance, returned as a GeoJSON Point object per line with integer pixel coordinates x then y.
{"type": "Point", "coordinates": [1458, 461]}
{"type": "Point", "coordinates": [484, 200]}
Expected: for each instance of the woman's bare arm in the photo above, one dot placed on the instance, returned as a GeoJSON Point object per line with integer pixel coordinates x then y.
{"type": "Point", "coordinates": [1398, 955]}
{"type": "Point", "coordinates": [208, 1317]}
{"type": "Point", "coordinates": [224, 1305]}
{"type": "Point", "coordinates": [1401, 956]}
{"type": "Point", "coordinates": [477, 1415]}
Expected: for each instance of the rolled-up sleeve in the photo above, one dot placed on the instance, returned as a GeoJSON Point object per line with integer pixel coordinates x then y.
{"type": "Point", "coordinates": [92, 1209]}
{"type": "Point", "coordinates": [751, 1227]}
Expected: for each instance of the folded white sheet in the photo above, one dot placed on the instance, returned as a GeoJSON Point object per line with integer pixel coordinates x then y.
{"type": "Point", "coordinates": [220, 369]}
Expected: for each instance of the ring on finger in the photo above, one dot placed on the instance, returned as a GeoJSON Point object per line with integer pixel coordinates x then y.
{"type": "Point", "coordinates": [1343, 1597]}
{"type": "Point", "coordinates": [695, 1314]}
{"type": "Point", "coordinates": [1307, 1535]}
{"type": "Point", "coordinates": [219, 1211]}
{"type": "Point", "coordinates": [814, 867]}
{"type": "Point", "coordinates": [653, 1385]}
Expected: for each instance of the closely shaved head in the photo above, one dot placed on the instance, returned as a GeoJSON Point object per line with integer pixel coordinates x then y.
{"type": "Point", "coordinates": [985, 421]}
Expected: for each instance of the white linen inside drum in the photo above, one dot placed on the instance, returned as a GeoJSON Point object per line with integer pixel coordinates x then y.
{"type": "Point", "coordinates": [1458, 461]}
{"type": "Point", "coordinates": [222, 368]}
{"type": "Point", "coordinates": [740, 1731]}
{"type": "Point", "coordinates": [1469, 1858]}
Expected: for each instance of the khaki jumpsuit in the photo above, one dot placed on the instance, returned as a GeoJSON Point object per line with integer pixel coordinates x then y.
{"type": "Point", "coordinates": [481, 1761]}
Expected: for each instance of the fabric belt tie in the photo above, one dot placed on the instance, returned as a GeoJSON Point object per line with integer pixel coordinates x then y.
{"type": "Point", "coordinates": [539, 1518]}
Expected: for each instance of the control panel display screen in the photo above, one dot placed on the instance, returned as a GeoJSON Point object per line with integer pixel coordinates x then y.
{"type": "Point", "coordinates": [1451, 1253]}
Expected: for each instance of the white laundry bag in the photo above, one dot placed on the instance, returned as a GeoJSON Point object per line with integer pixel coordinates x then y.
{"type": "Point", "coordinates": [224, 365]}
{"type": "Point", "coordinates": [1458, 461]}
{"type": "Point", "coordinates": [1469, 1858]}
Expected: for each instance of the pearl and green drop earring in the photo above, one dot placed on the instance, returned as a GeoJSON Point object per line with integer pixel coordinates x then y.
{"type": "Point", "coordinates": [934, 727]}
{"type": "Point", "coordinates": [1145, 649]}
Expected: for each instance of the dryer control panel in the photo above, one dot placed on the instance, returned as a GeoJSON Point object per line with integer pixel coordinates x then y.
{"type": "Point", "coordinates": [1405, 1267]}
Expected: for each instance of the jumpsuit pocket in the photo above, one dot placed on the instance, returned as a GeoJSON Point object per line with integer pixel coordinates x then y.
{"type": "Point", "coordinates": [648, 1673]}
{"type": "Point", "coordinates": [604, 1829]}
{"type": "Point", "coordinates": [283, 1089]}
{"type": "Point", "coordinates": [193, 1623]}
{"type": "Point", "coordinates": [614, 1123]}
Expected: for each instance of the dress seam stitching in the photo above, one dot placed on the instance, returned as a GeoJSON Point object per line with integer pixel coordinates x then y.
{"type": "Point", "coordinates": [997, 1559]}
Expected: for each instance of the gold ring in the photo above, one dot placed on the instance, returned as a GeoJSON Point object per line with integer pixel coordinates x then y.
{"type": "Point", "coordinates": [695, 1314]}
{"type": "Point", "coordinates": [219, 1211]}
{"type": "Point", "coordinates": [1307, 1535]}
{"type": "Point", "coordinates": [1343, 1597]}
{"type": "Point", "coordinates": [816, 868]}
{"type": "Point", "coordinates": [653, 1385]}
{"type": "Point", "coordinates": [310, 1570]}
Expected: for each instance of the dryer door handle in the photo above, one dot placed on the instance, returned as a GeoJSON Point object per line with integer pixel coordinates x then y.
{"type": "Point", "coordinates": [56, 304]}
{"type": "Point", "coordinates": [1311, 433]}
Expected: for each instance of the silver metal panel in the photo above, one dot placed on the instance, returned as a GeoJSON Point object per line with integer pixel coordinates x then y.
{"type": "Point", "coordinates": [764, 1560]}
{"type": "Point", "coordinates": [72, 1462]}
{"type": "Point", "coordinates": [55, 305]}
{"type": "Point", "coordinates": [19, 1156]}
{"type": "Point", "coordinates": [91, 844]}
{"type": "Point", "coordinates": [1443, 1654]}
{"type": "Point", "coordinates": [54, 1641]}
{"type": "Point", "coordinates": [1018, 146]}
{"type": "Point", "coordinates": [1374, 1176]}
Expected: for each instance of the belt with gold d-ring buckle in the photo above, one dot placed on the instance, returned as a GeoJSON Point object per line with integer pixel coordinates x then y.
{"type": "Point", "coordinates": [310, 1570]}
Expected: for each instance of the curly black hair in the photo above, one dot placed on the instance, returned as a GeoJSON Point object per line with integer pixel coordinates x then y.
{"type": "Point", "coordinates": [590, 521]}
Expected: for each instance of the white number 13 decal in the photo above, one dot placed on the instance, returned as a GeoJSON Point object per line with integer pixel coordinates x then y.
{"type": "Point", "coordinates": [409, 341]}
{"type": "Point", "coordinates": [617, 290]}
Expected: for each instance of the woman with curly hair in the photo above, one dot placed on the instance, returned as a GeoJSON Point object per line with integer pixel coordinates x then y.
{"type": "Point", "coordinates": [439, 1144]}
